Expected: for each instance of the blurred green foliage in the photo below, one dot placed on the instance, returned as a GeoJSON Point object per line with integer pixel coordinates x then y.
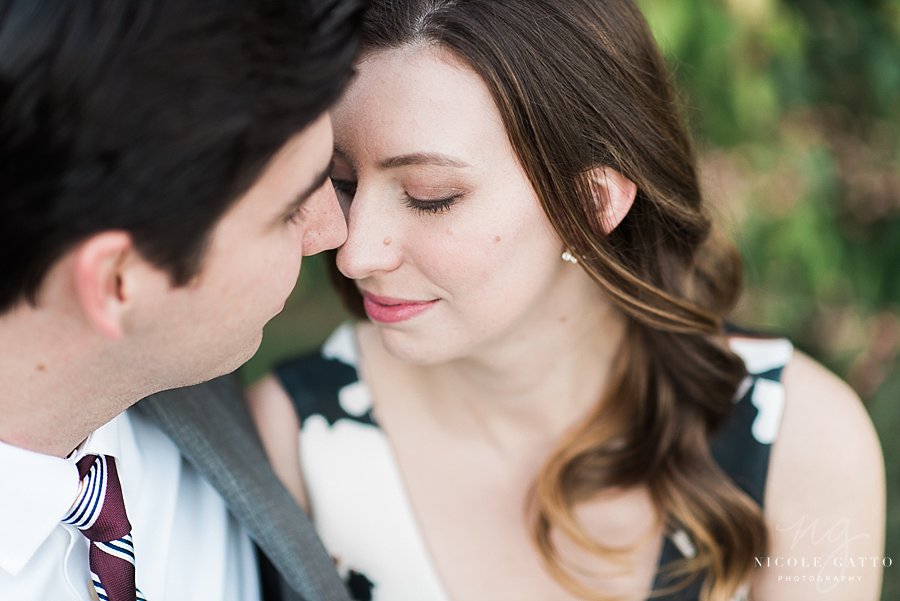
{"type": "Point", "coordinates": [795, 105]}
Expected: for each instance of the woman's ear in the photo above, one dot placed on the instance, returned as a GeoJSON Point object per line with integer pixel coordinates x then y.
{"type": "Point", "coordinates": [613, 196]}
{"type": "Point", "coordinates": [99, 283]}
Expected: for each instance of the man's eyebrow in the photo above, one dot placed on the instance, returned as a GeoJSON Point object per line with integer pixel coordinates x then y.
{"type": "Point", "coordinates": [317, 183]}
{"type": "Point", "coordinates": [423, 158]}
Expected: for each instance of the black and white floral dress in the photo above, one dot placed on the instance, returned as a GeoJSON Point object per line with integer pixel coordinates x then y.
{"type": "Point", "coordinates": [357, 497]}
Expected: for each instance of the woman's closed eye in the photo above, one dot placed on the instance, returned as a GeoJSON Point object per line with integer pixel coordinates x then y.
{"type": "Point", "coordinates": [346, 190]}
{"type": "Point", "coordinates": [430, 205]}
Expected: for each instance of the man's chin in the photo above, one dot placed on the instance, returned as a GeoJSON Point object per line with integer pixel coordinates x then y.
{"type": "Point", "coordinates": [230, 363]}
{"type": "Point", "coordinates": [240, 357]}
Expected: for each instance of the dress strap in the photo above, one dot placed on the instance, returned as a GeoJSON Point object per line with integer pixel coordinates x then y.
{"type": "Point", "coordinates": [315, 383]}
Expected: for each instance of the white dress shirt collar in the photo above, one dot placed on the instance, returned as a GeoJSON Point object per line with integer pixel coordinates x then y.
{"type": "Point", "coordinates": [39, 489]}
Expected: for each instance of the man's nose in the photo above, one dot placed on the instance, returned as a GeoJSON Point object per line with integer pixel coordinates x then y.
{"type": "Point", "coordinates": [327, 227]}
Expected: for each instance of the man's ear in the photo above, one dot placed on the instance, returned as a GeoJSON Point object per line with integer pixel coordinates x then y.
{"type": "Point", "coordinates": [613, 196]}
{"type": "Point", "coordinates": [98, 280]}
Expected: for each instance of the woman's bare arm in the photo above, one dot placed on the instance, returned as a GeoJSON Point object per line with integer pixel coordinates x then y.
{"type": "Point", "coordinates": [825, 499]}
{"type": "Point", "coordinates": [279, 427]}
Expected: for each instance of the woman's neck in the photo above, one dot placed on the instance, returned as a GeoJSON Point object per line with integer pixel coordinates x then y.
{"type": "Point", "coordinates": [528, 386]}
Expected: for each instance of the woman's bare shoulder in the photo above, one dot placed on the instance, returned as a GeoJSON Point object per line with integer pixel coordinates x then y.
{"type": "Point", "coordinates": [278, 425]}
{"type": "Point", "coordinates": [825, 498]}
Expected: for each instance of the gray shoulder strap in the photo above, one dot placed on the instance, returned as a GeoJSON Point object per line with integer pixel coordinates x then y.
{"type": "Point", "coordinates": [211, 425]}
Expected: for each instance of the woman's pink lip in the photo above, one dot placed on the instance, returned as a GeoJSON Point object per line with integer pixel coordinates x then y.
{"type": "Point", "coordinates": [386, 309]}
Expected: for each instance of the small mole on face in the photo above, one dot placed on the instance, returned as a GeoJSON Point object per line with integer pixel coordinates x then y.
{"type": "Point", "coordinates": [497, 238]}
{"type": "Point", "coordinates": [41, 367]}
{"type": "Point", "coordinates": [387, 241]}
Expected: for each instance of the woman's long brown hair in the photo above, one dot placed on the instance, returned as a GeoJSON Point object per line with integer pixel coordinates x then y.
{"type": "Point", "coordinates": [580, 84]}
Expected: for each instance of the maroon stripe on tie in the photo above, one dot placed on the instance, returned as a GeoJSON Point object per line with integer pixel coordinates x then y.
{"type": "Point", "coordinates": [115, 574]}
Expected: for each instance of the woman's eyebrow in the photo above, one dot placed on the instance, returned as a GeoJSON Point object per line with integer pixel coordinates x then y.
{"type": "Point", "coordinates": [423, 158]}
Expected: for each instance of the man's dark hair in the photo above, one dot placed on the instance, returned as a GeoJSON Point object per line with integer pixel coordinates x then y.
{"type": "Point", "coordinates": [151, 116]}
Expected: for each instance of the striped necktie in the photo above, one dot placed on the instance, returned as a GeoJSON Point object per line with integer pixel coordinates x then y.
{"type": "Point", "coordinates": [99, 512]}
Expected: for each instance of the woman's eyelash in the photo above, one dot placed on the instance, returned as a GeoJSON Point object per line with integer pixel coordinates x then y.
{"type": "Point", "coordinates": [432, 206]}
{"type": "Point", "coordinates": [347, 188]}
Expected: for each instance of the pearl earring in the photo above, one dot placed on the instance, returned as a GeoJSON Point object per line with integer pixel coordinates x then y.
{"type": "Point", "coordinates": [569, 257]}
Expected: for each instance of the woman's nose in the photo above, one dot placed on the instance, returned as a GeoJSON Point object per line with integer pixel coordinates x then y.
{"type": "Point", "coordinates": [372, 244]}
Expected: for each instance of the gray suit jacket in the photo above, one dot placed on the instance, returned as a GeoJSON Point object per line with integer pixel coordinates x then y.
{"type": "Point", "coordinates": [211, 425]}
